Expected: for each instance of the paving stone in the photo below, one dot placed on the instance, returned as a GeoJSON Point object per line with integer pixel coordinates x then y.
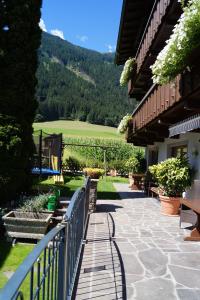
{"type": "Point", "coordinates": [126, 247]}
{"type": "Point", "coordinates": [154, 261]}
{"type": "Point", "coordinates": [155, 289]}
{"type": "Point", "coordinates": [130, 279]}
{"type": "Point", "coordinates": [185, 260]}
{"type": "Point", "coordinates": [145, 233]}
{"type": "Point", "coordinates": [188, 277]}
{"type": "Point", "coordinates": [188, 294]}
{"type": "Point", "coordinates": [151, 246]}
{"type": "Point", "coordinates": [189, 247]}
{"type": "Point", "coordinates": [132, 265]}
{"type": "Point", "coordinates": [129, 292]}
{"type": "Point", "coordinates": [141, 246]}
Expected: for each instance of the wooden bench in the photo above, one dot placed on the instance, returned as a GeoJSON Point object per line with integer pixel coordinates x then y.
{"type": "Point", "coordinates": [154, 191]}
{"type": "Point", "coordinates": [195, 206]}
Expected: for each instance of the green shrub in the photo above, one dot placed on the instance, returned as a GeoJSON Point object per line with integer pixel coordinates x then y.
{"type": "Point", "coordinates": [35, 204]}
{"type": "Point", "coordinates": [136, 164]}
{"type": "Point", "coordinates": [93, 172]}
{"type": "Point", "coordinates": [72, 164]}
{"type": "Point", "coordinates": [172, 175]}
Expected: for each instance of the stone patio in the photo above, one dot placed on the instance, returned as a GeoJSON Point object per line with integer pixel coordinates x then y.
{"type": "Point", "coordinates": [139, 253]}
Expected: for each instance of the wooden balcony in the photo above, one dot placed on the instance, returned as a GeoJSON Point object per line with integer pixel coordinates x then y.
{"type": "Point", "coordinates": [166, 105]}
{"type": "Point", "coordinates": [164, 16]}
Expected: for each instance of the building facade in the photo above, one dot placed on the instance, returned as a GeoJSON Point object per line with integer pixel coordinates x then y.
{"type": "Point", "coordinates": [166, 120]}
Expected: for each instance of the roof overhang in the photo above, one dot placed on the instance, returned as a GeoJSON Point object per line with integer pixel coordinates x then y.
{"type": "Point", "coordinates": [134, 17]}
{"type": "Point", "coordinates": [190, 124]}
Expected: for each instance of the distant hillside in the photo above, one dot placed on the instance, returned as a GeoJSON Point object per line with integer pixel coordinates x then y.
{"type": "Point", "coordinates": [78, 129]}
{"type": "Point", "coordinates": [77, 83]}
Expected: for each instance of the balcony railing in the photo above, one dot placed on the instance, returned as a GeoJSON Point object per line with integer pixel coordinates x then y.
{"type": "Point", "coordinates": [155, 20]}
{"type": "Point", "coordinates": [155, 102]}
{"type": "Point", "coordinates": [162, 19]}
{"type": "Point", "coordinates": [50, 269]}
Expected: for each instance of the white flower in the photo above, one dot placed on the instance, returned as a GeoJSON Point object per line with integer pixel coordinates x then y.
{"type": "Point", "coordinates": [123, 125]}
{"type": "Point", "coordinates": [126, 73]}
{"type": "Point", "coordinates": [185, 37]}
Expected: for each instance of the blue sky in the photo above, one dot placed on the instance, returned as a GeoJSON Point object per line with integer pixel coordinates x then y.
{"type": "Point", "coordinates": [91, 24]}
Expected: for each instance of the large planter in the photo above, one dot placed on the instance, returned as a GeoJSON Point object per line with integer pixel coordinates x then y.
{"type": "Point", "coordinates": [93, 195]}
{"type": "Point", "coordinates": [32, 225]}
{"type": "Point", "coordinates": [170, 205]}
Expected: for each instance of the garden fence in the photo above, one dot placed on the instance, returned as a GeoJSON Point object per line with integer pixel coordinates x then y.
{"type": "Point", "coordinates": [49, 271]}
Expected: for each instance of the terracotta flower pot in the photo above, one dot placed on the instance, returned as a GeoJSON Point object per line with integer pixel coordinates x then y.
{"type": "Point", "coordinates": [170, 205]}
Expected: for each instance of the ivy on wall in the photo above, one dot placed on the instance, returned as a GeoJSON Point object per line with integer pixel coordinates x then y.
{"type": "Point", "coordinates": [19, 40]}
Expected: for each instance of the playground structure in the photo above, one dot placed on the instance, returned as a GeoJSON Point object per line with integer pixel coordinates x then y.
{"type": "Point", "coordinates": [48, 155]}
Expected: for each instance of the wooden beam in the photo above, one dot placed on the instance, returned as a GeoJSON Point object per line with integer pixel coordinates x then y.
{"type": "Point", "coordinates": [160, 133]}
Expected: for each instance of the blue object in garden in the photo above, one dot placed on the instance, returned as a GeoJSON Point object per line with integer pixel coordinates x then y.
{"type": "Point", "coordinates": [44, 171]}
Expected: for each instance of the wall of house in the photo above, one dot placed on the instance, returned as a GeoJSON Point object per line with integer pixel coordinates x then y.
{"type": "Point", "coordinates": [192, 140]}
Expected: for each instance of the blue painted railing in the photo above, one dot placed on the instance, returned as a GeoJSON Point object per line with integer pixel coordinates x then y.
{"type": "Point", "coordinates": [49, 271]}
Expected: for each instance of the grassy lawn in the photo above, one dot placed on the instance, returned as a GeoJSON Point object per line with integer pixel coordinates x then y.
{"type": "Point", "coordinates": [68, 188]}
{"type": "Point", "coordinates": [79, 129]}
{"type": "Point", "coordinates": [106, 189]}
{"type": "Point", "coordinates": [11, 258]}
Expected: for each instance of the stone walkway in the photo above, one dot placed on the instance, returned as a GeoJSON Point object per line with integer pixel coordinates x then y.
{"type": "Point", "coordinates": [134, 252]}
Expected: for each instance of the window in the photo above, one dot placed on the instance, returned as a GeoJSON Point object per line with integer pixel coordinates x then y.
{"type": "Point", "coordinates": [153, 156]}
{"type": "Point", "coordinates": [179, 151]}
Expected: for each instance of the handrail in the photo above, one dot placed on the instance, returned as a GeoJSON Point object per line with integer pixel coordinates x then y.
{"type": "Point", "coordinates": [68, 215]}
{"type": "Point", "coordinates": [53, 263]}
{"type": "Point", "coordinates": [22, 271]}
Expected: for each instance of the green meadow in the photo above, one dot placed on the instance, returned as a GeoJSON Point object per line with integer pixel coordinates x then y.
{"type": "Point", "coordinates": [79, 129]}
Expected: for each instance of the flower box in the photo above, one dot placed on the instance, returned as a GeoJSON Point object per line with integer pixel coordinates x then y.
{"type": "Point", "coordinates": [32, 225]}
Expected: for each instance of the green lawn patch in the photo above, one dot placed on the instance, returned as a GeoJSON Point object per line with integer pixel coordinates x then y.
{"type": "Point", "coordinates": [106, 189]}
{"type": "Point", "coordinates": [11, 258]}
{"type": "Point", "coordinates": [72, 183]}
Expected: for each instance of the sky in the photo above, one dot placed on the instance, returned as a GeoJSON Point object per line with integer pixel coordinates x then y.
{"type": "Point", "coordinates": [92, 24]}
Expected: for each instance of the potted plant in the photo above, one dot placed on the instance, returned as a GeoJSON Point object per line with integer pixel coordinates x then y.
{"type": "Point", "coordinates": [94, 173]}
{"type": "Point", "coordinates": [181, 48]}
{"type": "Point", "coordinates": [124, 123]}
{"type": "Point", "coordinates": [136, 166]}
{"type": "Point", "coordinates": [30, 221]}
{"type": "Point", "coordinates": [173, 176]}
{"type": "Point", "coordinates": [128, 70]}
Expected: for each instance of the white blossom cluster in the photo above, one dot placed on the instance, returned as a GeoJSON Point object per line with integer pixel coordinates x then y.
{"type": "Point", "coordinates": [123, 125]}
{"type": "Point", "coordinates": [185, 37]}
{"type": "Point", "coordinates": [126, 73]}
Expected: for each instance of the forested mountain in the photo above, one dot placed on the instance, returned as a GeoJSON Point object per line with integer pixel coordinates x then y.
{"type": "Point", "coordinates": [77, 83]}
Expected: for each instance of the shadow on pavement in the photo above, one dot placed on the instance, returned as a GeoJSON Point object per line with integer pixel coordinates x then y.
{"type": "Point", "coordinates": [107, 207]}
{"type": "Point", "coordinates": [132, 195]}
{"type": "Point", "coordinates": [102, 273]}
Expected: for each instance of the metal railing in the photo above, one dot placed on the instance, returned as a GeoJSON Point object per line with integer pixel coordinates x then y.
{"type": "Point", "coordinates": [49, 271]}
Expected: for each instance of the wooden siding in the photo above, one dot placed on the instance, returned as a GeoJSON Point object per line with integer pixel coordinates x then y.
{"type": "Point", "coordinates": [151, 30]}
{"type": "Point", "coordinates": [157, 101]}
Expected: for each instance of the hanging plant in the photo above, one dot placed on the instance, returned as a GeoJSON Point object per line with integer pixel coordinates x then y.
{"type": "Point", "coordinates": [123, 125]}
{"type": "Point", "coordinates": [173, 59]}
{"type": "Point", "coordinates": [127, 71]}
